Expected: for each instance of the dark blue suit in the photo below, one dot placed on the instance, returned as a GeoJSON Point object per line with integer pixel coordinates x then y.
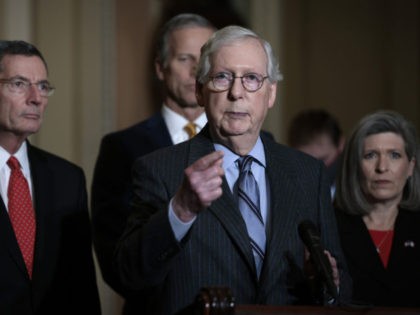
{"type": "Point", "coordinates": [63, 278]}
{"type": "Point", "coordinates": [112, 189]}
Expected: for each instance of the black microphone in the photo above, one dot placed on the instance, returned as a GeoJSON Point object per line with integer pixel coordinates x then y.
{"type": "Point", "coordinates": [310, 237]}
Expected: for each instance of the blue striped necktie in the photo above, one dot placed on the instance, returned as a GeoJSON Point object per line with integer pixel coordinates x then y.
{"type": "Point", "coordinates": [249, 206]}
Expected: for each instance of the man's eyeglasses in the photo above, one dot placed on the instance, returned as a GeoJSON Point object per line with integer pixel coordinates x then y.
{"type": "Point", "coordinates": [251, 82]}
{"type": "Point", "coordinates": [22, 86]}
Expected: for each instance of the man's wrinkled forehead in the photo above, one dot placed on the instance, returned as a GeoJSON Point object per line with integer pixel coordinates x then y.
{"type": "Point", "coordinates": [28, 67]}
{"type": "Point", "coordinates": [223, 47]}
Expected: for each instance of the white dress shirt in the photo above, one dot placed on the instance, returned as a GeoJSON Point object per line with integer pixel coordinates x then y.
{"type": "Point", "coordinates": [176, 123]}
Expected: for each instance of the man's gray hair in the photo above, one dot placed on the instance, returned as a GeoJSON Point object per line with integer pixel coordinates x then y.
{"type": "Point", "coordinates": [229, 35]}
{"type": "Point", "coordinates": [179, 21]}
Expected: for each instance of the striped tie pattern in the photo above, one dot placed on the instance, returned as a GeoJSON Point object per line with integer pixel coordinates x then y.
{"type": "Point", "coordinates": [21, 212]}
{"type": "Point", "coordinates": [248, 202]}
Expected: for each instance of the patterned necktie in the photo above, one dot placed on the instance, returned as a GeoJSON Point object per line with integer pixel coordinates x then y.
{"type": "Point", "coordinates": [190, 129]}
{"type": "Point", "coordinates": [21, 212]}
{"type": "Point", "coordinates": [249, 201]}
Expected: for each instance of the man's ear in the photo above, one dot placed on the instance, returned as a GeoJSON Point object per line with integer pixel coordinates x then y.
{"type": "Point", "coordinates": [160, 71]}
{"type": "Point", "coordinates": [273, 93]}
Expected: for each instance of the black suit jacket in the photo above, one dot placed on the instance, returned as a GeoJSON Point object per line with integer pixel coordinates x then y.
{"type": "Point", "coordinates": [398, 284]}
{"type": "Point", "coordinates": [63, 280]}
{"type": "Point", "coordinates": [216, 250]}
{"type": "Point", "coordinates": [112, 191]}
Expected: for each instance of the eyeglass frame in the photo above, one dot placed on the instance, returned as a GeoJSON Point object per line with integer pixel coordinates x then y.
{"type": "Point", "coordinates": [260, 81]}
{"type": "Point", "coordinates": [27, 84]}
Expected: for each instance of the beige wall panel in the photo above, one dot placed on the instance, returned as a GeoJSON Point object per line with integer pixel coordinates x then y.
{"type": "Point", "coordinates": [344, 59]}
{"type": "Point", "coordinates": [55, 26]}
{"type": "Point", "coordinates": [135, 30]}
{"type": "Point", "coordinates": [2, 19]}
{"type": "Point", "coordinates": [292, 56]}
{"type": "Point", "coordinates": [266, 21]}
{"type": "Point", "coordinates": [96, 78]}
{"type": "Point", "coordinates": [16, 19]}
{"type": "Point", "coordinates": [349, 57]}
{"type": "Point", "coordinates": [78, 41]}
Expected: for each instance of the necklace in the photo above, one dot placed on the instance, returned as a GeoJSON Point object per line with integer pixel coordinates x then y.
{"type": "Point", "coordinates": [384, 238]}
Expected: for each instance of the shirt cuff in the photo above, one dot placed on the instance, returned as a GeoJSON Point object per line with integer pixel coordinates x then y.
{"type": "Point", "coordinates": [179, 227]}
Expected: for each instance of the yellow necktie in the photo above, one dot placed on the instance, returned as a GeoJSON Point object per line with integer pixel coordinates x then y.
{"type": "Point", "coordinates": [190, 129]}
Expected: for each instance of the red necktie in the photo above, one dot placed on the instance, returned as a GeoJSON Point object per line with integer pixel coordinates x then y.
{"type": "Point", "coordinates": [21, 212]}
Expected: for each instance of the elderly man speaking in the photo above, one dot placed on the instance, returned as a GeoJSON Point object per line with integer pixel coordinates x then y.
{"type": "Point", "coordinates": [222, 209]}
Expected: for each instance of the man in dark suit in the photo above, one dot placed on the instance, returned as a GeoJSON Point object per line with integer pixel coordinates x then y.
{"type": "Point", "coordinates": [317, 133]}
{"type": "Point", "coordinates": [177, 54]}
{"type": "Point", "coordinates": [189, 227]}
{"type": "Point", "coordinates": [46, 264]}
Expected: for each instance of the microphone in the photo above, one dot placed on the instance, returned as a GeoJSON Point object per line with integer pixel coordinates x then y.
{"type": "Point", "coordinates": [310, 237]}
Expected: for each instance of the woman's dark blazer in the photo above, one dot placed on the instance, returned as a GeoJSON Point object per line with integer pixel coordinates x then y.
{"type": "Point", "coordinates": [399, 283]}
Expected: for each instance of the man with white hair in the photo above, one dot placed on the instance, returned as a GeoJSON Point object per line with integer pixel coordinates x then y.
{"type": "Point", "coordinates": [222, 209]}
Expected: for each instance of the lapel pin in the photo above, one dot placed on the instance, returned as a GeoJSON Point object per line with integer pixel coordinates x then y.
{"type": "Point", "coordinates": [409, 244]}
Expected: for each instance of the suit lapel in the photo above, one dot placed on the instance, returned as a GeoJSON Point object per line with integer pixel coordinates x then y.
{"type": "Point", "coordinates": [356, 235]}
{"type": "Point", "coordinates": [283, 220]}
{"type": "Point", "coordinates": [224, 208]}
{"type": "Point", "coordinates": [43, 188]}
{"type": "Point", "coordinates": [158, 131]}
{"type": "Point", "coordinates": [231, 219]}
{"type": "Point", "coordinates": [8, 240]}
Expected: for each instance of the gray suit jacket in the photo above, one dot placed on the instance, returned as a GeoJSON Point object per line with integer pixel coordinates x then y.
{"type": "Point", "coordinates": [216, 250]}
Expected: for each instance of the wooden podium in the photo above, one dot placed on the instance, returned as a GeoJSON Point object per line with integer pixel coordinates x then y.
{"type": "Point", "coordinates": [220, 301]}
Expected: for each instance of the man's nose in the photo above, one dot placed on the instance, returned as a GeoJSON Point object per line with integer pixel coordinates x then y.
{"type": "Point", "coordinates": [34, 94]}
{"type": "Point", "coordinates": [236, 88]}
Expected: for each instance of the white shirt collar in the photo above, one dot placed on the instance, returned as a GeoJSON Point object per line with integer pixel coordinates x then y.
{"type": "Point", "coordinates": [176, 122]}
{"type": "Point", "coordinates": [230, 157]}
{"type": "Point", "coordinates": [21, 155]}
